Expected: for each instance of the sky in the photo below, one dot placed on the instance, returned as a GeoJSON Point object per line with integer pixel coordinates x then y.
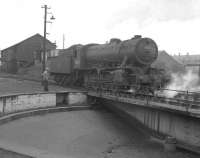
{"type": "Point", "coordinates": [173, 24]}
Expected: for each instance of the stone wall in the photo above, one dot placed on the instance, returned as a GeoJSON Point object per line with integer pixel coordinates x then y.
{"type": "Point", "coordinates": [20, 102]}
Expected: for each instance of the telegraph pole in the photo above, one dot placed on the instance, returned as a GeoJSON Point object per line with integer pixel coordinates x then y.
{"type": "Point", "coordinates": [45, 79]}
{"type": "Point", "coordinates": [44, 40]}
{"type": "Point", "coordinates": [45, 33]}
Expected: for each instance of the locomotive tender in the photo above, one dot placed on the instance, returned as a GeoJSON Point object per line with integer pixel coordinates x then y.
{"type": "Point", "coordinates": [117, 65]}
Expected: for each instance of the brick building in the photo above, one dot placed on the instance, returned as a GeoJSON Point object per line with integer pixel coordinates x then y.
{"type": "Point", "coordinates": [191, 62]}
{"type": "Point", "coordinates": [167, 62]}
{"type": "Point", "coordinates": [24, 53]}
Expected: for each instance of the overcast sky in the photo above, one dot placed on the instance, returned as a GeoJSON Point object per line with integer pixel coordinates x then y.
{"type": "Point", "coordinates": [173, 24]}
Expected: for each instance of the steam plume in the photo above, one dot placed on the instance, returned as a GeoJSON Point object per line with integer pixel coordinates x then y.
{"type": "Point", "coordinates": [183, 82]}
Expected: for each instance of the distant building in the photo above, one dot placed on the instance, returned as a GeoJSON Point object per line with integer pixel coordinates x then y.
{"type": "Point", "coordinates": [25, 53]}
{"type": "Point", "coordinates": [167, 62]}
{"type": "Point", "coordinates": [191, 62]}
{"type": "Point", "coordinates": [54, 53]}
{"type": "Point", "coordinates": [187, 59]}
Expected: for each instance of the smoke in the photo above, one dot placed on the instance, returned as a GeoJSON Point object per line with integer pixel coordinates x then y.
{"type": "Point", "coordinates": [147, 11]}
{"type": "Point", "coordinates": [182, 82]}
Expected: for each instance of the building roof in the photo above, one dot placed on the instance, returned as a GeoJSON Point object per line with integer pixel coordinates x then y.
{"type": "Point", "coordinates": [167, 62]}
{"type": "Point", "coordinates": [37, 34]}
{"type": "Point", "coordinates": [188, 59]}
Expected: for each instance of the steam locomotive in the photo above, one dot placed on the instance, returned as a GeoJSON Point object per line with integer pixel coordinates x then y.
{"type": "Point", "coordinates": [116, 66]}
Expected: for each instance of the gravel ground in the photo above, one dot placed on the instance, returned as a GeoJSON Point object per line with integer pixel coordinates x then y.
{"type": "Point", "coordinates": [12, 86]}
{"type": "Point", "coordinates": [84, 134]}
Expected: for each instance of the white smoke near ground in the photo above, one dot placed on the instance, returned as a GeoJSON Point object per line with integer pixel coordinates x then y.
{"type": "Point", "coordinates": [182, 82]}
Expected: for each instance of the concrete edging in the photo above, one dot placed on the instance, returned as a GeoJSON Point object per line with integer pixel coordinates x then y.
{"type": "Point", "coordinates": [40, 111]}
{"type": "Point", "coordinates": [13, 103]}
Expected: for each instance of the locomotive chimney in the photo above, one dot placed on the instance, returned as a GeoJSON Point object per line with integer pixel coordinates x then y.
{"type": "Point", "coordinates": [115, 40]}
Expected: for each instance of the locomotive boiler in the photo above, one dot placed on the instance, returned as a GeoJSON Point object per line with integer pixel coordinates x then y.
{"type": "Point", "coordinates": [115, 65]}
{"type": "Point", "coordinates": [135, 52]}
